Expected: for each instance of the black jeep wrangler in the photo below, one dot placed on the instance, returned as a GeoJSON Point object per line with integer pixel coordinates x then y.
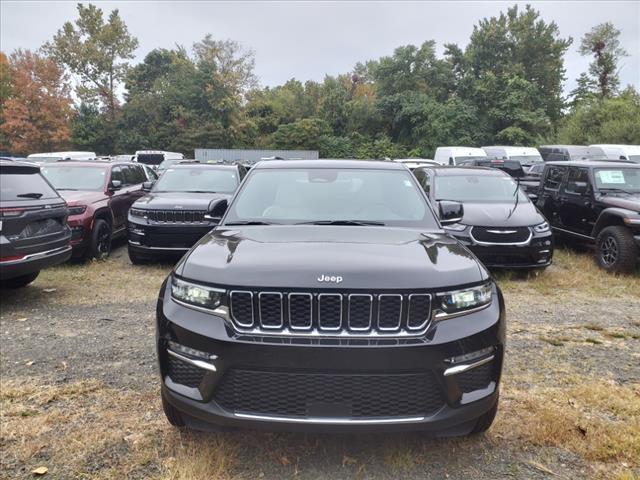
{"type": "Point", "coordinates": [596, 202]}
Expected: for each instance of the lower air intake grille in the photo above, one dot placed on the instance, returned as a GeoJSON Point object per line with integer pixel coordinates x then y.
{"type": "Point", "coordinates": [475, 379]}
{"type": "Point", "coordinates": [184, 373]}
{"type": "Point", "coordinates": [346, 395]}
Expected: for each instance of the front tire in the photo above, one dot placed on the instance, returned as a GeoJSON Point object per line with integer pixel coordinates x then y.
{"type": "Point", "coordinates": [100, 240]}
{"type": "Point", "coordinates": [19, 282]}
{"type": "Point", "coordinates": [172, 414]}
{"type": "Point", "coordinates": [485, 420]}
{"type": "Point", "coordinates": [136, 258]}
{"type": "Point", "coordinates": [615, 250]}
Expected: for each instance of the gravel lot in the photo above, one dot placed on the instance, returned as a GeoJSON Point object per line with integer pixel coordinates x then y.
{"type": "Point", "coordinates": [80, 393]}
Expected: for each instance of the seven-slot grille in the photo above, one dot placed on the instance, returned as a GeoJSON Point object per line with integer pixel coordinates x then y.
{"type": "Point", "coordinates": [501, 235]}
{"type": "Point", "coordinates": [176, 216]}
{"type": "Point", "coordinates": [330, 312]}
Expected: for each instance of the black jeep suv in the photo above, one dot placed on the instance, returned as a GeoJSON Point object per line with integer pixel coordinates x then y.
{"type": "Point", "coordinates": [500, 224]}
{"type": "Point", "coordinates": [597, 203]}
{"type": "Point", "coordinates": [330, 298]}
{"type": "Point", "coordinates": [172, 217]}
{"type": "Point", "coordinates": [33, 224]}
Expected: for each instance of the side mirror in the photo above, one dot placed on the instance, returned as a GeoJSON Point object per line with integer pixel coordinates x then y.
{"type": "Point", "coordinates": [533, 197]}
{"type": "Point", "coordinates": [146, 186]}
{"type": "Point", "coordinates": [115, 185]}
{"type": "Point", "coordinates": [581, 188]}
{"type": "Point", "coordinates": [450, 212]}
{"type": "Point", "coordinates": [216, 210]}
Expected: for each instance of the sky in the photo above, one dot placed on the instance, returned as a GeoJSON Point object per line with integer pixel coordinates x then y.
{"type": "Point", "coordinates": [309, 39]}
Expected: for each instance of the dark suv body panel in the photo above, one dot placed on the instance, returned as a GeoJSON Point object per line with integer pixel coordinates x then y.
{"type": "Point", "coordinates": [33, 231]}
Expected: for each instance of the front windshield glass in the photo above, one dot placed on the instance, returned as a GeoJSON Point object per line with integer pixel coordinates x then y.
{"type": "Point", "coordinates": [197, 179]}
{"type": "Point", "coordinates": [44, 159]}
{"type": "Point", "coordinates": [469, 157]}
{"type": "Point", "coordinates": [526, 159]}
{"type": "Point", "coordinates": [624, 179]}
{"type": "Point", "coordinates": [634, 158]}
{"type": "Point", "coordinates": [76, 178]}
{"type": "Point", "coordinates": [326, 195]}
{"type": "Point", "coordinates": [167, 163]}
{"type": "Point", "coordinates": [478, 189]}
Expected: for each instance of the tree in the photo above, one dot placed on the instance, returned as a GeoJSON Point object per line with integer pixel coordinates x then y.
{"type": "Point", "coordinates": [604, 44]}
{"type": "Point", "coordinates": [38, 110]}
{"type": "Point", "coordinates": [5, 92]}
{"type": "Point", "coordinates": [97, 52]}
{"type": "Point", "coordinates": [608, 120]}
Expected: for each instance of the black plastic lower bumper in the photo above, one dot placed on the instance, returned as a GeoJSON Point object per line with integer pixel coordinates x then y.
{"type": "Point", "coordinates": [366, 385]}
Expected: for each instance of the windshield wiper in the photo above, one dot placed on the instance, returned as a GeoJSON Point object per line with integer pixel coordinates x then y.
{"type": "Point", "coordinates": [614, 189]}
{"type": "Point", "coordinates": [342, 222]}
{"type": "Point", "coordinates": [199, 191]}
{"type": "Point", "coordinates": [29, 195]}
{"type": "Point", "coordinates": [74, 189]}
{"type": "Point", "coordinates": [250, 222]}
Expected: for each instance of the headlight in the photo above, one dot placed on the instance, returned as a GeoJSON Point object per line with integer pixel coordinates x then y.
{"type": "Point", "coordinates": [78, 210]}
{"type": "Point", "coordinates": [457, 302]}
{"type": "Point", "coordinates": [541, 228]}
{"type": "Point", "coordinates": [136, 212]}
{"type": "Point", "coordinates": [198, 295]}
{"type": "Point", "coordinates": [456, 227]}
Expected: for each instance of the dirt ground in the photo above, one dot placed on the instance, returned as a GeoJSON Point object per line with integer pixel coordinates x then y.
{"type": "Point", "coordinates": [79, 391]}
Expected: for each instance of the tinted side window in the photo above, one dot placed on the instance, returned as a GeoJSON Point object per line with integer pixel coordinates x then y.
{"type": "Point", "coordinates": [424, 180]}
{"type": "Point", "coordinates": [553, 178]}
{"type": "Point", "coordinates": [577, 181]}
{"type": "Point", "coordinates": [116, 174]}
{"type": "Point", "coordinates": [139, 174]}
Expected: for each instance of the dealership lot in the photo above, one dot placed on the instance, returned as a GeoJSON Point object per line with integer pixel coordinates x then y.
{"type": "Point", "coordinates": [80, 392]}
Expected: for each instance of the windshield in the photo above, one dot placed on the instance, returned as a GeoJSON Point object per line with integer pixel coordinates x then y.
{"type": "Point", "coordinates": [625, 179]}
{"type": "Point", "coordinates": [44, 159]}
{"type": "Point", "coordinates": [478, 188]}
{"type": "Point", "coordinates": [76, 178]}
{"type": "Point", "coordinates": [197, 179]}
{"type": "Point", "coordinates": [526, 159]}
{"type": "Point", "coordinates": [634, 158]}
{"type": "Point", "coordinates": [326, 195]}
{"type": "Point", "coordinates": [167, 163]}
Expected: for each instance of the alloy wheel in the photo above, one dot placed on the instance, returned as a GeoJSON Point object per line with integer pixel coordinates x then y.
{"type": "Point", "coordinates": [609, 250]}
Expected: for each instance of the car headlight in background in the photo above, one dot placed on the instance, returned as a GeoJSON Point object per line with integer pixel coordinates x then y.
{"type": "Point", "coordinates": [457, 302]}
{"type": "Point", "coordinates": [197, 295]}
{"type": "Point", "coordinates": [136, 212]}
{"type": "Point", "coordinates": [77, 210]}
{"type": "Point", "coordinates": [456, 227]}
{"type": "Point", "coordinates": [541, 228]}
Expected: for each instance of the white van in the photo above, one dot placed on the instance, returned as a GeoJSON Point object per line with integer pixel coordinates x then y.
{"type": "Point", "coordinates": [527, 156]}
{"type": "Point", "coordinates": [621, 152]}
{"type": "Point", "coordinates": [156, 157]}
{"type": "Point", "coordinates": [451, 155]}
{"type": "Point", "coordinates": [57, 156]}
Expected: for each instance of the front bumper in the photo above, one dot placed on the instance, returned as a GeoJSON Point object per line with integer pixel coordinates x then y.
{"type": "Point", "coordinates": [168, 238]}
{"type": "Point", "coordinates": [537, 253]}
{"type": "Point", "coordinates": [332, 385]}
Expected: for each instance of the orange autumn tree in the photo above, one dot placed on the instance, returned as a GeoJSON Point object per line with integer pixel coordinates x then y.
{"type": "Point", "coordinates": [37, 112]}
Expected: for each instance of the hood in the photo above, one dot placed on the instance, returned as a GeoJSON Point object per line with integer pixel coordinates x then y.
{"type": "Point", "coordinates": [501, 214]}
{"type": "Point", "coordinates": [622, 200]}
{"type": "Point", "coordinates": [181, 200]}
{"type": "Point", "coordinates": [81, 197]}
{"type": "Point", "coordinates": [283, 256]}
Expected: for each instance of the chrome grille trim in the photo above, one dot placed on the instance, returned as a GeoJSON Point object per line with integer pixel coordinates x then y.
{"type": "Point", "coordinates": [271, 327]}
{"type": "Point", "coordinates": [312, 323]}
{"type": "Point", "coordinates": [329, 295]}
{"type": "Point", "coordinates": [428, 319]}
{"type": "Point", "coordinates": [176, 216]}
{"type": "Point", "coordinates": [380, 299]}
{"type": "Point", "coordinates": [233, 316]}
{"type": "Point", "coordinates": [298, 327]}
{"type": "Point", "coordinates": [507, 243]}
{"type": "Point", "coordinates": [359, 329]}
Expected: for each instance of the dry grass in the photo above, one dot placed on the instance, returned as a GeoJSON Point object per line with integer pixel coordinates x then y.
{"type": "Point", "coordinates": [571, 275]}
{"type": "Point", "coordinates": [599, 421]}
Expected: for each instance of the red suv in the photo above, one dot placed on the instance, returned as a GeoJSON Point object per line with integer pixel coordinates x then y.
{"type": "Point", "coordinates": [99, 195]}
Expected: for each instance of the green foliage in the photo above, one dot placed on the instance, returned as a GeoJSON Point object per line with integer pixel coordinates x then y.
{"type": "Point", "coordinates": [608, 120]}
{"type": "Point", "coordinates": [603, 43]}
